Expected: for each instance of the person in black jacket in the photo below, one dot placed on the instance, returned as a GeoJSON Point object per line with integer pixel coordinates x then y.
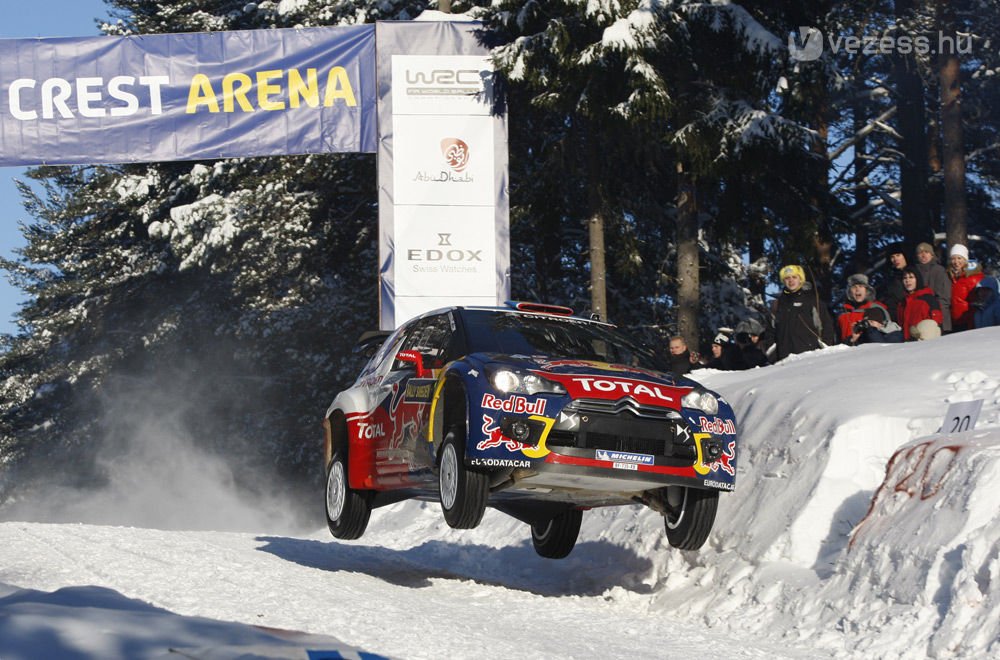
{"type": "Point", "coordinates": [680, 357]}
{"type": "Point", "coordinates": [893, 292]}
{"type": "Point", "coordinates": [749, 341]}
{"type": "Point", "coordinates": [802, 321]}
{"type": "Point", "coordinates": [723, 354]}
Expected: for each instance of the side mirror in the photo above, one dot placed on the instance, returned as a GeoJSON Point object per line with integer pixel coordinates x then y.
{"type": "Point", "coordinates": [416, 359]}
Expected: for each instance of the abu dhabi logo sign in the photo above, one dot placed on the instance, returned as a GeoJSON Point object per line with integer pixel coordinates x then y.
{"type": "Point", "coordinates": [806, 45]}
{"type": "Point", "coordinates": [455, 152]}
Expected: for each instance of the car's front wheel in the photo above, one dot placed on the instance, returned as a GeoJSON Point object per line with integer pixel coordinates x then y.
{"type": "Point", "coordinates": [347, 510]}
{"type": "Point", "coordinates": [555, 539]}
{"type": "Point", "coordinates": [463, 492]}
{"type": "Point", "coordinates": [690, 516]}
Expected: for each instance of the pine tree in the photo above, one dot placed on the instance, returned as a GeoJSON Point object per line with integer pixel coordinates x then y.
{"type": "Point", "coordinates": [222, 296]}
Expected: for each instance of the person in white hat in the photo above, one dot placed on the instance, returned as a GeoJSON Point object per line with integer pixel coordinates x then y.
{"type": "Point", "coordinates": [964, 278]}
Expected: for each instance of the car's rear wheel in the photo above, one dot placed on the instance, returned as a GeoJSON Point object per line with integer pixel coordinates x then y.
{"type": "Point", "coordinates": [463, 492]}
{"type": "Point", "coordinates": [347, 510]}
{"type": "Point", "coordinates": [690, 516]}
{"type": "Point", "coordinates": [555, 539]}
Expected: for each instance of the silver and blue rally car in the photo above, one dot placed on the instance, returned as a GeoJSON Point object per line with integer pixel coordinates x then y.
{"type": "Point", "coordinates": [530, 410]}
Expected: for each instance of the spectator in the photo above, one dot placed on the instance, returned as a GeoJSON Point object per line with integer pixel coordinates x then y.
{"type": "Point", "coordinates": [920, 303]}
{"type": "Point", "coordinates": [680, 357]}
{"type": "Point", "coordinates": [750, 344]}
{"type": "Point", "coordinates": [935, 277]}
{"type": "Point", "coordinates": [893, 292]}
{"type": "Point", "coordinates": [802, 323]}
{"type": "Point", "coordinates": [860, 297]}
{"type": "Point", "coordinates": [875, 327]}
{"type": "Point", "coordinates": [985, 300]}
{"type": "Point", "coordinates": [964, 278]}
{"type": "Point", "coordinates": [723, 356]}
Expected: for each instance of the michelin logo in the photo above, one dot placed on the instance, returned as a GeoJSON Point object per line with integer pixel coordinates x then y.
{"type": "Point", "coordinates": [807, 45]}
{"type": "Point", "coordinates": [624, 457]}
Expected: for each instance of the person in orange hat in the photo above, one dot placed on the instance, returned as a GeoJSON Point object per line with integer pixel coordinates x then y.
{"type": "Point", "coordinates": [802, 321]}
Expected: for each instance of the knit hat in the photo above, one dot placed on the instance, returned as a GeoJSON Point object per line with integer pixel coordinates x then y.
{"type": "Point", "coordinates": [960, 250]}
{"type": "Point", "coordinates": [722, 339]}
{"type": "Point", "coordinates": [877, 313]}
{"type": "Point", "coordinates": [859, 279]}
{"type": "Point", "coordinates": [793, 269]}
{"type": "Point", "coordinates": [925, 247]}
{"type": "Point", "coordinates": [750, 326]}
{"type": "Point", "coordinates": [894, 248]}
{"type": "Point", "coordinates": [926, 329]}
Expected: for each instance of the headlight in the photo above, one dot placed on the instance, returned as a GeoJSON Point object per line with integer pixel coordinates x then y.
{"type": "Point", "coordinates": [701, 400]}
{"type": "Point", "coordinates": [511, 381]}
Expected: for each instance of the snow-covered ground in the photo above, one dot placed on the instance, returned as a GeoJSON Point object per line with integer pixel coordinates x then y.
{"type": "Point", "coordinates": [860, 528]}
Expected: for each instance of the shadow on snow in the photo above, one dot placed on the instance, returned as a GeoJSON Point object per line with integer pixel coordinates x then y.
{"type": "Point", "coordinates": [592, 568]}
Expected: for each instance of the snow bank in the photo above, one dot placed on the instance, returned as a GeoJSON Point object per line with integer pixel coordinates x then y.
{"type": "Point", "coordinates": [859, 528]}
{"type": "Point", "coordinates": [819, 544]}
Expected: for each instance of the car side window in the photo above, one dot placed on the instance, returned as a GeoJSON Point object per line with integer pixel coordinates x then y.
{"type": "Point", "coordinates": [431, 337]}
{"type": "Point", "coordinates": [379, 365]}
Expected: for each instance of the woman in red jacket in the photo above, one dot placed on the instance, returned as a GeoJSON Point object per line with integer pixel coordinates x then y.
{"type": "Point", "coordinates": [920, 303]}
{"type": "Point", "coordinates": [963, 280]}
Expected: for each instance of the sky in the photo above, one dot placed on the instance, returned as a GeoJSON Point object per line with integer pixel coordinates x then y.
{"type": "Point", "coordinates": [861, 527]}
{"type": "Point", "coordinates": [36, 18]}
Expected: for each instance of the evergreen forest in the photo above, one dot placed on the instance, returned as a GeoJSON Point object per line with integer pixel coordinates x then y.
{"type": "Point", "coordinates": [667, 157]}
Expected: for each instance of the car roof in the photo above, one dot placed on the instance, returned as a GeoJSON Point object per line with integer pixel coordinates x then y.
{"type": "Point", "coordinates": [509, 310]}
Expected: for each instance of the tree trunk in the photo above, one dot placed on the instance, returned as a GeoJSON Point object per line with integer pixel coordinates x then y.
{"type": "Point", "coordinates": [952, 145]}
{"type": "Point", "coordinates": [598, 273]}
{"type": "Point", "coordinates": [444, 6]}
{"type": "Point", "coordinates": [595, 232]}
{"type": "Point", "coordinates": [913, 127]}
{"type": "Point", "coordinates": [862, 196]}
{"type": "Point", "coordinates": [688, 283]}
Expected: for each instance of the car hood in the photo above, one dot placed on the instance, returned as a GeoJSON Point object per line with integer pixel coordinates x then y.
{"type": "Point", "coordinates": [593, 379]}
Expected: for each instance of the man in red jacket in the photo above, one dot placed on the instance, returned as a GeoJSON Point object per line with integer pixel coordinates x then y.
{"type": "Point", "coordinates": [920, 303]}
{"type": "Point", "coordinates": [860, 296]}
{"type": "Point", "coordinates": [964, 278]}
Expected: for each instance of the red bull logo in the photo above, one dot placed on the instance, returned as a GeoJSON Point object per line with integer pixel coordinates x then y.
{"type": "Point", "coordinates": [494, 438]}
{"type": "Point", "coordinates": [725, 461]}
{"type": "Point", "coordinates": [717, 426]}
{"type": "Point", "coordinates": [514, 404]}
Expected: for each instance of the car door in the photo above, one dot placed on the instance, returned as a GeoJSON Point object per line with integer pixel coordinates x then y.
{"type": "Point", "coordinates": [403, 454]}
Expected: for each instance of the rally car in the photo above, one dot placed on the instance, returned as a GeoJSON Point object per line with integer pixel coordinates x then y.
{"type": "Point", "coordinates": [530, 410]}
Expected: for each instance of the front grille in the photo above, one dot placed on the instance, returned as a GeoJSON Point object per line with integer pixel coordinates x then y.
{"type": "Point", "coordinates": [623, 432]}
{"type": "Point", "coordinates": [623, 405]}
{"type": "Point", "coordinates": [630, 443]}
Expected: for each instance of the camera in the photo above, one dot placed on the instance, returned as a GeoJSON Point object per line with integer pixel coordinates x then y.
{"type": "Point", "coordinates": [861, 326]}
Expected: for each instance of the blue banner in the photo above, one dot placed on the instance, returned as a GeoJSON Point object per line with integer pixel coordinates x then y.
{"type": "Point", "coordinates": [187, 96]}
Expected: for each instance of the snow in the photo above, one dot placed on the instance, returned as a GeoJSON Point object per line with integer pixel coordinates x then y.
{"type": "Point", "coordinates": [859, 528]}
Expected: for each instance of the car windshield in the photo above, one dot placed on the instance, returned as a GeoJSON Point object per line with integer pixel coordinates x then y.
{"type": "Point", "coordinates": [514, 333]}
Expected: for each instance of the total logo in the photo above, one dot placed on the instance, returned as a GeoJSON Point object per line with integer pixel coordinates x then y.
{"type": "Point", "coordinates": [616, 388]}
{"type": "Point", "coordinates": [370, 431]}
{"type": "Point", "coordinates": [515, 404]}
